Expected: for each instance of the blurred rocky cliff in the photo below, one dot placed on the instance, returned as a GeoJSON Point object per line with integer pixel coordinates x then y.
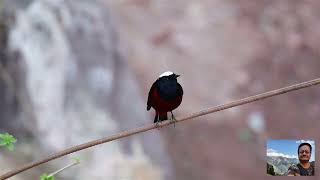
{"type": "Point", "coordinates": [72, 71]}
{"type": "Point", "coordinates": [65, 81]}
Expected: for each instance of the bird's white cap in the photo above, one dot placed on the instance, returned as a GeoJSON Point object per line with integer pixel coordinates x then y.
{"type": "Point", "coordinates": [167, 73]}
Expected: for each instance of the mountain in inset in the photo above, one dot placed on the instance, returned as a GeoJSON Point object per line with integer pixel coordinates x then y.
{"type": "Point", "coordinates": [281, 164]}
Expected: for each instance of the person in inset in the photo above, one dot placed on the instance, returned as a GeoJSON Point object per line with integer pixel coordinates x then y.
{"type": "Point", "coordinates": [304, 168]}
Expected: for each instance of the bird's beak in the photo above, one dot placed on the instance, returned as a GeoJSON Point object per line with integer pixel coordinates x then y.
{"type": "Point", "coordinates": [177, 75]}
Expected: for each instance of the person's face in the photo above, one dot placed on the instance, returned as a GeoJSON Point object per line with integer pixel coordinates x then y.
{"type": "Point", "coordinates": [304, 153]}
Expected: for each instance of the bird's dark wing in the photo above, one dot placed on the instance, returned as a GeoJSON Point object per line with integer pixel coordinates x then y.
{"type": "Point", "coordinates": [149, 96]}
{"type": "Point", "coordinates": [180, 90]}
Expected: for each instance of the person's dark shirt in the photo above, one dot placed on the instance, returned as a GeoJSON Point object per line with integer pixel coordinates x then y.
{"type": "Point", "coordinates": [298, 169]}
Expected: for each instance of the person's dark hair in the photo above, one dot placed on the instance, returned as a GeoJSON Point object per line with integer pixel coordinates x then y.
{"type": "Point", "coordinates": [302, 144]}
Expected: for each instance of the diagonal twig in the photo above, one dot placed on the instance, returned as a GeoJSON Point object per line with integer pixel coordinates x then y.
{"type": "Point", "coordinates": [64, 168]}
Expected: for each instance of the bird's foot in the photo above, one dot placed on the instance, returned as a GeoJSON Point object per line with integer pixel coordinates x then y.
{"type": "Point", "coordinates": [173, 119]}
{"type": "Point", "coordinates": [158, 125]}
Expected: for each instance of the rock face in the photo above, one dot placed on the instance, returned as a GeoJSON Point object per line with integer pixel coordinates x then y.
{"type": "Point", "coordinates": [76, 86]}
{"type": "Point", "coordinates": [270, 169]}
{"type": "Point", "coordinates": [224, 50]}
{"type": "Point", "coordinates": [281, 164]}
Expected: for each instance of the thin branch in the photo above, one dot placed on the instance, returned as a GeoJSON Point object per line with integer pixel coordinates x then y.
{"type": "Point", "coordinates": [162, 124]}
{"type": "Point", "coordinates": [64, 168]}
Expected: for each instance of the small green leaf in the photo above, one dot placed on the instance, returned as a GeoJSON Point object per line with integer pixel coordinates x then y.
{"type": "Point", "coordinates": [2, 143]}
{"type": "Point", "coordinates": [7, 140]}
{"type": "Point", "coordinates": [10, 147]}
{"type": "Point", "coordinates": [76, 159]}
{"type": "Point", "coordinates": [46, 177]}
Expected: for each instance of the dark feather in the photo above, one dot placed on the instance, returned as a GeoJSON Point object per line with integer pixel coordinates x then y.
{"type": "Point", "coordinates": [149, 96]}
{"type": "Point", "coordinates": [162, 117]}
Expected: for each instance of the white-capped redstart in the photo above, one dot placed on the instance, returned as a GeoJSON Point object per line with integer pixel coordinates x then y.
{"type": "Point", "coordinates": [165, 95]}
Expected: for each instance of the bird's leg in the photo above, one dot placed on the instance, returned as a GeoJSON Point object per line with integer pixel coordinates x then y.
{"type": "Point", "coordinates": [174, 119]}
{"type": "Point", "coordinates": [157, 122]}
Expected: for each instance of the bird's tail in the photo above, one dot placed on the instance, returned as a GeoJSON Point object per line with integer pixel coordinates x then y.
{"type": "Point", "coordinates": [161, 115]}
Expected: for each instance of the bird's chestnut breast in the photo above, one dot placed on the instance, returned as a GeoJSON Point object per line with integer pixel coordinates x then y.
{"type": "Point", "coordinates": [160, 104]}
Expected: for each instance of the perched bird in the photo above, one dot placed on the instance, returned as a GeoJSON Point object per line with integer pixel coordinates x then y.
{"type": "Point", "coordinates": [165, 95]}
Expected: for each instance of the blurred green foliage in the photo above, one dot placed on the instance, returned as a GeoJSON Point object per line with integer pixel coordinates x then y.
{"type": "Point", "coordinates": [7, 140]}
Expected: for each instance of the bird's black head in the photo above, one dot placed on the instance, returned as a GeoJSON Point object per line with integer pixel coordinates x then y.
{"type": "Point", "coordinates": [173, 76]}
{"type": "Point", "coordinates": [168, 87]}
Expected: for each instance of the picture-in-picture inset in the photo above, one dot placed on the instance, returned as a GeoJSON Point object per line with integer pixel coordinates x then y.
{"type": "Point", "coordinates": [290, 157]}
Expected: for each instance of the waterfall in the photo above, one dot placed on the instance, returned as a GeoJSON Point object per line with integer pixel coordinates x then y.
{"type": "Point", "coordinates": [80, 89]}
